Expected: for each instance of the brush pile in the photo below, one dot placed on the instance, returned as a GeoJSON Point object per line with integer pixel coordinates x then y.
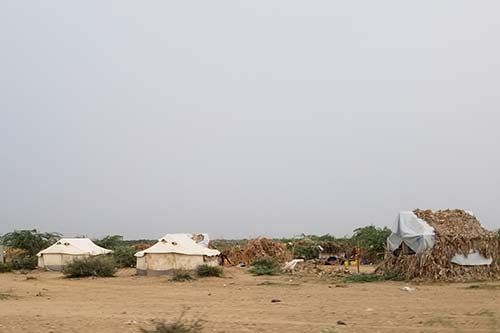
{"type": "Point", "coordinates": [316, 268]}
{"type": "Point", "coordinates": [258, 248]}
{"type": "Point", "coordinates": [456, 232]}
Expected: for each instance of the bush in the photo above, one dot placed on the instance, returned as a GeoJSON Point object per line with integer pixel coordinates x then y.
{"type": "Point", "coordinates": [180, 325]}
{"type": "Point", "coordinates": [265, 266]}
{"type": "Point", "coordinates": [24, 262]}
{"type": "Point", "coordinates": [5, 268]}
{"type": "Point", "coordinates": [181, 275]}
{"type": "Point", "coordinates": [207, 270]}
{"type": "Point", "coordinates": [124, 256]}
{"type": "Point", "coordinates": [92, 266]}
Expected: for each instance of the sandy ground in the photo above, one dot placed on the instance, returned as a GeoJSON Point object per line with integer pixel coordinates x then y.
{"type": "Point", "coordinates": [240, 302]}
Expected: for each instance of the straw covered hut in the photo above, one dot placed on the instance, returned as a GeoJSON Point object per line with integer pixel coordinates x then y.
{"type": "Point", "coordinates": [446, 245]}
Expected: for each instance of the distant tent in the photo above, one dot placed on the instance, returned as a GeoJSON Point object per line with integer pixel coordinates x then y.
{"type": "Point", "coordinates": [66, 250]}
{"type": "Point", "coordinates": [449, 245]}
{"type": "Point", "coordinates": [175, 251]}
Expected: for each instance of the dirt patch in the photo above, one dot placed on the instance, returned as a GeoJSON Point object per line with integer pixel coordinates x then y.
{"type": "Point", "coordinates": [240, 302]}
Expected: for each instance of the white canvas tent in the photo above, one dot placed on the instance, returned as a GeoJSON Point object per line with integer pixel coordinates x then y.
{"type": "Point", "coordinates": [64, 251]}
{"type": "Point", "coordinates": [175, 251]}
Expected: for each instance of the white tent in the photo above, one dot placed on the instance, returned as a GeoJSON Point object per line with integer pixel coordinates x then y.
{"type": "Point", "coordinates": [175, 251]}
{"type": "Point", "coordinates": [66, 250]}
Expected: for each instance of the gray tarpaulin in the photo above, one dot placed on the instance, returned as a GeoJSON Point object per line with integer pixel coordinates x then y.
{"type": "Point", "coordinates": [473, 259]}
{"type": "Point", "coordinates": [415, 232]}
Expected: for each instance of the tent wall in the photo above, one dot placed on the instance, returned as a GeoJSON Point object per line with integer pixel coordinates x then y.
{"type": "Point", "coordinates": [56, 262]}
{"type": "Point", "coordinates": [165, 263]}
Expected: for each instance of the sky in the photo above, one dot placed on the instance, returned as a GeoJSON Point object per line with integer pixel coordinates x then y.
{"type": "Point", "coordinates": [246, 118]}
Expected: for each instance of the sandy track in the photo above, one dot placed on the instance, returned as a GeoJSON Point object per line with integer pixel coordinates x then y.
{"type": "Point", "coordinates": [240, 303]}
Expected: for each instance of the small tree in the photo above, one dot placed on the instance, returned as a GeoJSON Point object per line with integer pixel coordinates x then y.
{"type": "Point", "coordinates": [110, 242]}
{"type": "Point", "coordinates": [372, 240]}
{"type": "Point", "coordinates": [31, 241]}
{"type": "Point", "coordinates": [124, 256]}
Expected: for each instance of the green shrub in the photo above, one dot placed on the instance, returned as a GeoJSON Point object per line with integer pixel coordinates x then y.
{"type": "Point", "coordinates": [265, 266]}
{"type": "Point", "coordinates": [207, 270]}
{"type": "Point", "coordinates": [24, 262]}
{"type": "Point", "coordinates": [92, 266]}
{"type": "Point", "coordinates": [5, 268]}
{"type": "Point", "coordinates": [124, 256]}
{"type": "Point", "coordinates": [181, 275]}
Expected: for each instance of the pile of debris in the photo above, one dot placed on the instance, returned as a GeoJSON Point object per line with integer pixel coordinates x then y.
{"type": "Point", "coordinates": [316, 268]}
{"type": "Point", "coordinates": [457, 232]}
{"type": "Point", "coordinates": [258, 248]}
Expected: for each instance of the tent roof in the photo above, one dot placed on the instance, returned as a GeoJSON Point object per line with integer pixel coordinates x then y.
{"type": "Point", "coordinates": [75, 246]}
{"type": "Point", "coordinates": [178, 243]}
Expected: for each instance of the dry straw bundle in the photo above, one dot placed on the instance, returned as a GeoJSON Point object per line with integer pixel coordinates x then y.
{"type": "Point", "coordinates": [258, 248]}
{"type": "Point", "coordinates": [457, 232]}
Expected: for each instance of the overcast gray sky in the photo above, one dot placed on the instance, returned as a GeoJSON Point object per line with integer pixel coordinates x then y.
{"type": "Point", "coordinates": [246, 118]}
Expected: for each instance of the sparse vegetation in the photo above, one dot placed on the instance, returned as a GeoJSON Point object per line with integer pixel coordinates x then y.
{"type": "Point", "coordinates": [179, 325]}
{"type": "Point", "coordinates": [207, 270]}
{"type": "Point", "coordinates": [182, 275]}
{"type": "Point", "coordinates": [24, 262]}
{"type": "Point", "coordinates": [4, 296]}
{"type": "Point", "coordinates": [484, 286]}
{"type": "Point", "coordinates": [439, 321]}
{"type": "Point", "coordinates": [124, 256]}
{"type": "Point", "coordinates": [99, 266]}
{"type": "Point", "coordinates": [5, 268]}
{"type": "Point", "coordinates": [366, 278]}
{"type": "Point", "coordinates": [110, 242]}
{"type": "Point", "coordinates": [372, 240]}
{"type": "Point", "coordinates": [31, 241]}
{"type": "Point", "coordinates": [265, 266]}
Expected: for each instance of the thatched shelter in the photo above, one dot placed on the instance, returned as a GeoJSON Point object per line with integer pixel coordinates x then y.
{"type": "Point", "coordinates": [447, 245]}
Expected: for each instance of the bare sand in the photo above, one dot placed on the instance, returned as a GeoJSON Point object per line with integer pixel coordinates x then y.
{"type": "Point", "coordinates": [240, 302]}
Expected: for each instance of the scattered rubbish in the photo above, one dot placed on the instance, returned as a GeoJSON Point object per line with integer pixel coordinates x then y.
{"type": "Point", "coordinates": [408, 289]}
{"type": "Point", "coordinates": [290, 266]}
{"type": "Point", "coordinates": [341, 322]}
